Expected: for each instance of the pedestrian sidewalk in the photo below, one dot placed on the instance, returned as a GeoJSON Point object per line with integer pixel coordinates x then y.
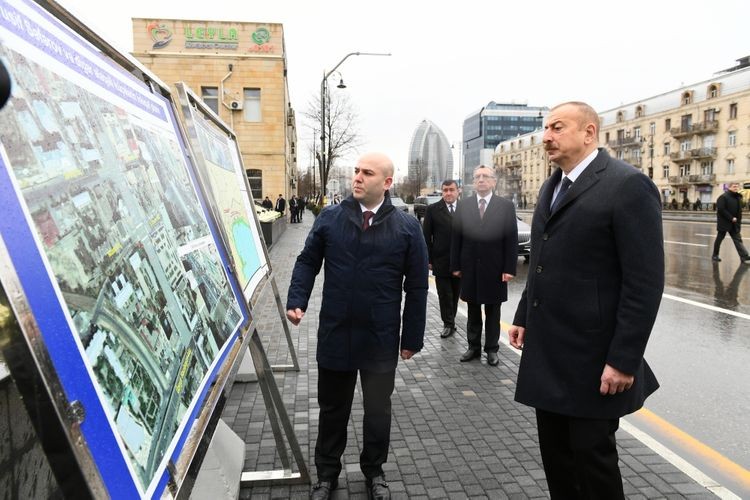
{"type": "Point", "coordinates": [456, 432]}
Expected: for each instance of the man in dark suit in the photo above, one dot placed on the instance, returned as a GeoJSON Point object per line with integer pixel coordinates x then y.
{"type": "Point", "coordinates": [729, 220]}
{"type": "Point", "coordinates": [596, 276]}
{"type": "Point", "coordinates": [484, 254]}
{"type": "Point", "coordinates": [280, 204]}
{"type": "Point", "coordinates": [438, 220]}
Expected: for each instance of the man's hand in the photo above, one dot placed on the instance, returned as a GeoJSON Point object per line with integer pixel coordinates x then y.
{"type": "Point", "coordinates": [614, 381]}
{"type": "Point", "coordinates": [295, 315]}
{"type": "Point", "coordinates": [457, 274]}
{"type": "Point", "coordinates": [406, 354]}
{"type": "Point", "coordinates": [516, 335]}
{"type": "Point", "coordinates": [507, 277]}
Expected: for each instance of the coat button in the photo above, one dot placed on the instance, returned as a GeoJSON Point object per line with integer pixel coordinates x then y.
{"type": "Point", "coordinates": [539, 269]}
{"type": "Point", "coordinates": [535, 303]}
{"type": "Point", "coordinates": [545, 236]}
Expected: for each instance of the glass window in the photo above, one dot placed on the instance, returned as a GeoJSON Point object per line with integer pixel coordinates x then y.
{"type": "Point", "coordinates": [637, 133]}
{"type": "Point", "coordinates": [255, 179]}
{"type": "Point", "coordinates": [732, 139]}
{"type": "Point", "coordinates": [667, 148]}
{"type": "Point", "coordinates": [685, 145]}
{"type": "Point", "coordinates": [652, 128]}
{"type": "Point", "coordinates": [733, 111]}
{"type": "Point", "coordinates": [730, 166]}
{"type": "Point", "coordinates": [667, 124]}
{"type": "Point", "coordinates": [665, 171]}
{"type": "Point", "coordinates": [210, 96]}
{"type": "Point", "coordinates": [251, 108]}
{"type": "Point", "coordinates": [707, 167]}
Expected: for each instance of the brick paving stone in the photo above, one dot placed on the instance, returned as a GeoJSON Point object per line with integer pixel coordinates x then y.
{"type": "Point", "coordinates": [440, 409]}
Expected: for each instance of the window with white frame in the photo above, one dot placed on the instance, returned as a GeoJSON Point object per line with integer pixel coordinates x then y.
{"type": "Point", "coordinates": [707, 167]}
{"type": "Point", "coordinates": [685, 169]}
{"type": "Point", "coordinates": [652, 128]}
{"type": "Point", "coordinates": [732, 139]}
{"type": "Point", "coordinates": [667, 148]}
{"type": "Point", "coordinates": [733, 111]}
{"type": "Point", "coordinates": [730, 166]}
{"type": "Point", "coordinates": [251, 108]}
{"type": "Point", "coordinates": [685, 145]}
{"type": "Point", "coordinates": [665, 171]}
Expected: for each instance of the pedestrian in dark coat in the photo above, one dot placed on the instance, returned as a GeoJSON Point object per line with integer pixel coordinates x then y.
{"type": "Point", "coordinates": [484, 254]}
{"type": "Point", "coordinates": [280, 204]}
{"type": "Point", "coordinates": [372, 254]}
{"type": "Point", "coordinates": [729, 220]}
{"type": "Point", "coordinates": [596, 276]}
{"type": "Point", "coordinates": [294, 209]}
{"type": "Point", "coordinates": [437, 224]}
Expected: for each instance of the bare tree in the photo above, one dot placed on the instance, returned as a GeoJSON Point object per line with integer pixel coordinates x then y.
{"type": "Point", "coordinates": [342, 136]}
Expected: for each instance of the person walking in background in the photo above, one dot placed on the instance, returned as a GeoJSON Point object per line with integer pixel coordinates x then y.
{"type": "Point", "coordinates": [294, 209]}
{"type": "Point", "coordinates": [372, 253]}
{"type": "Point", "coordinates": [280, 204]}
{"type": "Point", "coordinates": [438, 220]}
{"type": "Point", "coordinates": [484, 254]}
{"type": "Point", "coordinates": [591, 298]}
{"type": "Point", "coordinates": [729, 220]}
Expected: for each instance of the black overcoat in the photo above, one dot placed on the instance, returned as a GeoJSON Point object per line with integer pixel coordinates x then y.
{"type": "Point", "coordinates": [596, 276]}
{"type": "Point", "coordinates": [729, 205]}
{"type": "Point", "coordinates": [437, 234]}
{"type": "Point", "coordinates": [483, 249]}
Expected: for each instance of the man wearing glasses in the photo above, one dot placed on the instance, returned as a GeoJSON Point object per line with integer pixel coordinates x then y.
{"type": "Point", "coordinates": [484, 254]}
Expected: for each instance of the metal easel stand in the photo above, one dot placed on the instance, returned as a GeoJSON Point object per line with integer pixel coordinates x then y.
{"type": "Point", "coordinates": [279, 419]}
{"type": "Point", "coordinates": [282, 313]}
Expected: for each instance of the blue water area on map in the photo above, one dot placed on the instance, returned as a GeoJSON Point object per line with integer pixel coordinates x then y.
{"type": "Point", "coordinates": [245, 244]}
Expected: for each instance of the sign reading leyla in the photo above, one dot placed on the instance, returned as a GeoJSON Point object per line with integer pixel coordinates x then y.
{"type": "Point", "coordinates": [211, 37]}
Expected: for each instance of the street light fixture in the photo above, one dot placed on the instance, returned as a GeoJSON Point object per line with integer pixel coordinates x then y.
{"type": "Point", "coordinates": [341, 85]}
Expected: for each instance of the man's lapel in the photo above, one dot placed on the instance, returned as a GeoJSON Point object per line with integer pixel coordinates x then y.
{"type": "Point", "coordinates": [588, 178]}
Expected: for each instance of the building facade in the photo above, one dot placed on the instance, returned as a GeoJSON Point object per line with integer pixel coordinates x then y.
{"type": "Point", "coordinates": [484, 129]}
{"type": "Point", "coordinates": [430, 158]}
{"type": "Point", "coordinates": [692, 141]}
{"type": "Point", "coordinates": [521, 166]}
{"type": "Point", "coordinates": [239, 69]}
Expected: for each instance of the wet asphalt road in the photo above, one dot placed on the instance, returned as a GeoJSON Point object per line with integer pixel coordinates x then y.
{"type": "Point", "coordinates": [701, 356]}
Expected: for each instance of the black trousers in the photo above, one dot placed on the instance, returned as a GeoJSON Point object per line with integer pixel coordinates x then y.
{"type": "Point", "coordinates": [448, 289]}
{"type": "Point", "coordinates": [736, 239]}
{"type": "Point", "coordinates": [491, 326]}
{"type": "Point", "coordinates": [335, 396]}
{"type": "Point", "coordinates": [579, 456]}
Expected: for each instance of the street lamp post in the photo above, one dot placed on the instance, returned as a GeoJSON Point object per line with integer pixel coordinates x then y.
{"type": "Point", "coordinates": [323, 89]}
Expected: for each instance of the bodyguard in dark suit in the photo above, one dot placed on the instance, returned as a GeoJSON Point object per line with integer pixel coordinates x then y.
{"type": "Point", "coordinates": [596, 275]}
{"type": "Point", "coordinates": [729, 220]}
{"type": "Point", "coordinates": [438, 220]}
{"type": "Point", "coordinates": [484, 254]}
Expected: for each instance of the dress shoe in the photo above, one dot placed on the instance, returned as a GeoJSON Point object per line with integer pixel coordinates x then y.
{"type": "Point", "coordinates": [377, 488]}
{"type": "Point", "coordinates": [716, 258]}
{"type": "Point", "coordinates": [492, 359]}
{"type": "Point", "coordinates": [470, 354]}
{"type": "Point", "coordinates": [322, 489]}
{"type": "Point", "coordinates": [447, 332]}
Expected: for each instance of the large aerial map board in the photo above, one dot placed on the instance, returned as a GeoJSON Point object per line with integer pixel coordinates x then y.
{"type": "Point", "coordinates": [217, 157]}
{"type": "Point", "coordinates": [110, 243]}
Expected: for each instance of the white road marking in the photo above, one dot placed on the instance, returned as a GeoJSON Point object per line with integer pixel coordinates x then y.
{"type": "Point", "coordinates": [714, 236]}
{"type": "Point", "coordinates": [683, 243]}
{"type": "Point", "coordinates": [706, 306]}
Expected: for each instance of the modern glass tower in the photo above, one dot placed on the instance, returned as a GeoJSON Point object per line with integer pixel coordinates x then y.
{"type": "Point", "coordinates": [430, 158]}
{"type": "Point", "coordinates": [492, 124]}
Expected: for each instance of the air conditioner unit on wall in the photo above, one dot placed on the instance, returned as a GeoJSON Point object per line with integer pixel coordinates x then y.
{"type": "Point", "coordinates": [236, 105]}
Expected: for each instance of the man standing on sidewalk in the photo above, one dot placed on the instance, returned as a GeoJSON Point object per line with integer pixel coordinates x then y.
{"type": "Point", "coordinates": [484, 254]}
{"type": "Point", "coordinates": [596, 276]}
{"type": "Point", "coordinates": [438, 219]}
{"type": "Point", "coordinates": [729, 220]}
{"type": "Point", "coordinates": [372, 252]}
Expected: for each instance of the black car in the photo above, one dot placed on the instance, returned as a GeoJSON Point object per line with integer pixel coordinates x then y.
{"type": "Point", "coordinates": [420, 204]}
{"type": "Point", "coordinates": [399, 204]}
{"type": "Point", "coordinates": [524, 239]}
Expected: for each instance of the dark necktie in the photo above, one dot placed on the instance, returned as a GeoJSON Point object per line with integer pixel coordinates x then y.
{"type": "Point", "coordinates": [482, 207]}
{"type": "Point", "coordinates": [450, 208]}
{"type": "Point", "coordinates": [366, 216]}
{"type": "Point", "coordinates": [566, 183]}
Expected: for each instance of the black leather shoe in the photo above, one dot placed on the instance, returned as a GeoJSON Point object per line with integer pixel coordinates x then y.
{"type": "Point", "coordinates": [470, 354]}
{"type": "Point", "coordinates": [322, 489]}
{"type": "Point", "coordinates": [447, 332]}
{"type": "Point", "coordinates": [716, 258]}
{"type": "Point", "coordinates": [377, 488]}
{"type": "Point", "coordinates": [492, 359]}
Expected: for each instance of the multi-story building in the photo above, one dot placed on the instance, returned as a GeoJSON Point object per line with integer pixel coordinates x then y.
{"type": "Point", "coordinates": [430, 158]}
{"type": "Point", "coordinates": [239, 69]}
{"type": "Point", "coordinates": [521, 166]}
{"type": "Point", "coordinates": [484, 129]}
{"type": "Point", "coordinates": [692, 141]}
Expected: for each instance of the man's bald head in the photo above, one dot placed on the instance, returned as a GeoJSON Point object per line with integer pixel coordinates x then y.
{"type": "Point", "coordinates": [380, 161]}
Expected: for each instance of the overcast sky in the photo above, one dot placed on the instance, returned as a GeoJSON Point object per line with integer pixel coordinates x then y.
{"type": "Point", "coordinates": [451, 58]}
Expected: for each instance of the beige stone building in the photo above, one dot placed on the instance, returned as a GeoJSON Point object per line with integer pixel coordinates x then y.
{"type": "Point", "coordinates": [692, 141]}
{"type": "Point", "coordinates": [239, 69]}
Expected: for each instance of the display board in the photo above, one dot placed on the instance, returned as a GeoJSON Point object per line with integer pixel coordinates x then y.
{"type": "Point", "coordinates": [111, 246]}
{"type": "Point", "coordinates": [217, 158]}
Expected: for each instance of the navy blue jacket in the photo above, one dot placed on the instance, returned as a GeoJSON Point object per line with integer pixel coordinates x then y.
{"type": "Point", "coordinates": [365, 272]}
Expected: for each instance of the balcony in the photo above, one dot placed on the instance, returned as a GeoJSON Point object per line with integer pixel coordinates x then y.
{"type": "Point", "coordinates": [680, 180]}
{"type": "Point", "coordinates": [705, 127]}
{"type": "Point", "coordinates": [681, 131]}
{"type": "Point", "coordinates": [623, 142]}
{"type": "Point", "coordinates": [681, 156]}
{"type": "Point", "coordinates": [636, 162]}
{"type": "Point", "coordinates": [512, 164]}
{"type": "Point", "coordinates": [703, 153]}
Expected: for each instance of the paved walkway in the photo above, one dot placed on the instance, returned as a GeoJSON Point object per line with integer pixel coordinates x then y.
{"type": "Point", "coordinates": [456, 433]}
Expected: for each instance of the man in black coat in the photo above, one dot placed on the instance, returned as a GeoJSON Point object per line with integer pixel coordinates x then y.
{"type": "Point", "coordinates": [280, 204]}
{"type": "Point", "coordinates": [438, 219]}
{"type": "Point", "coordinates": [729, 220]}
{"type": "Point", "coordinates": [484, 254]}
{"type": "Point", "coordinates": [372, 253]}
{"type": "Point", "coordinates": [596, 276]}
